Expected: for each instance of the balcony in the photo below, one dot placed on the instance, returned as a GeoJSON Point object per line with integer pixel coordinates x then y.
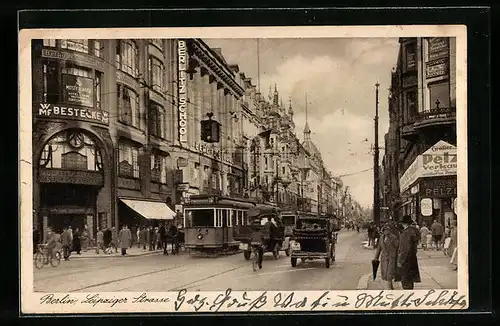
{"type": "Point", "coordinates": [435, 117]}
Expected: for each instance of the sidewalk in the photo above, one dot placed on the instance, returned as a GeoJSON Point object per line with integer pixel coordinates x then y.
{"type": "Point", "coordinates": [131, 252]}
{"type": "Point", "coordinates": [436, 272]}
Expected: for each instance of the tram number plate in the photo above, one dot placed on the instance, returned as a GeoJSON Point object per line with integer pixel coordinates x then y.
{"type": "Point", "coordinates": [243, 246]}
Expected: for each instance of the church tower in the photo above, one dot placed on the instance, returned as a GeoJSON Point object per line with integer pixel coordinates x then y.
{"type": "Point", "coordinates": [307, 130]}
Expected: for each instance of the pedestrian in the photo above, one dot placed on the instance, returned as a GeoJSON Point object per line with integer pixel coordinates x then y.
{"type": "Point", "coordinates": [100, 242]}
{"type": "Point", "coordinates": [66, 243]}
{"type": "Point", "coordinates": [36, 239]}
{"type": "Point", "coordinates": [125, 236]}
{"type": "Point", "coordinates": [454, 244]}
{"type": "Point", "coordinates": [407, 254]}
{"type": "Point", "coordinates": [437, 231]}
{"type": "Point", "coordinates": [163, 238]}
{"type": "Point", "coordinates": [387, 254]}
{"type": "Point", "coordinates": [114, 239]}
{"type": "Point", "coordinates": [138, 236]}
{"type": "Point", "coordinates": [133, 230]}
{"type": "Point", "coordinates": [151, 238]}
{"type": "Point", "coordinates": [85, 238]}
{"type": "Point", "coordinates": [174, 235]}
{"type": "Point", "coordinates": [107, 240]}
{"type": "Point", "coordinates": [424, 232]}
{"type": "Point", "coordinates": [77, 245]}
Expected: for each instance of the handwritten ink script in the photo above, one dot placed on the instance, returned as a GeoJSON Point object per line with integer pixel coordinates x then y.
{"type": "Point", "coordinates": [229, 300]}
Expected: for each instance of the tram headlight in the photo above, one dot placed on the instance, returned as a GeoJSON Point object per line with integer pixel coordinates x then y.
{"type": "Point", "coordinates": [200, 236]}
{"type": "Point", "coordinates": [295, 245]}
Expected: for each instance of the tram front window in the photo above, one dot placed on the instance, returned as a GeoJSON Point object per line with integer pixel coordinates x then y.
{"type": "Point", "coordinates": [200, 218]}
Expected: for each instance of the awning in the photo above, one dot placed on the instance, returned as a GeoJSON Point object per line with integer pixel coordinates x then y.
{"type": "Point", "coordinates": [150, 210]}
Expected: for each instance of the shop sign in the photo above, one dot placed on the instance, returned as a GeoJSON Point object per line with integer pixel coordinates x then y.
{"type": "Point", "coordinates": [72, 56]}
{"type": "Point", "coordinates": [61, 111]}
{"type": "Point", "coordinates": [183, 187]}
{"type": "Point", "coordinates": [438, 47]}
{"type": "Point", "coordinates": [78, 90]}
{"type": "Point", "coordinates": [213, 152]}
{"type": "Point", "coordinates": [440, 160]}
{"type": "Point", "coordinates": [182, 58]}
{"type": "Point", "coordinates": [439, 188]}
{"type": "Point", "coordinates": [426, 207]}
{"type": "Point", "coordinates": [436, 68]}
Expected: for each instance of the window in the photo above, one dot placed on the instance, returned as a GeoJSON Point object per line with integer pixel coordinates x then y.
{"type": "Point", "coordinates": [159, 168]}
{"type": "Point", "coordinates": [158, 42]}
{"type": "Point", "coordinates": [411, 53]}
{"type": "Point", "coordinates": [98, 89]}
{"type": "Point", "coordinates": [51, 43]}
{"type": "Point", "coordinates": [50, 82]}
{"type": "Point", "coordinates": [77, 71]}
{"type": "Point", "coordinates": [157, 118]}
{"type": "Point", "coordinates": [97, 48]}
{"type": "Point", "coordinates": [195, 175]}
{"type": "Point", "coordinates": [411, 103]}
{"type": "Point", "coordinates": [76, 45]}
{"type": "Point", "coordinates": [73, 151]}
{"type": "Point", "coordinates": [200, 217]}
{"type": "Point", "coordinates": [206, 171]}
{"type": "Point", "coordinates": [128, 106]}
{"type": "Point", "coordinates": [156, 74]}
{"type": "Point", "coordinates": [439, 95]}
{"type": "Point", "coordinates": [283, 170]}
{"type": "Point", "coordinates": [127, 57]}
{"type": "Point", "coordinates": [128, 160]}
{"type": "Point", "coordinates": [215, 179]}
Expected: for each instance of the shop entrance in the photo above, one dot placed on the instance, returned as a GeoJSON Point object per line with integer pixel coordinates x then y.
{"type": "Point", "coordinates": [69, 205]}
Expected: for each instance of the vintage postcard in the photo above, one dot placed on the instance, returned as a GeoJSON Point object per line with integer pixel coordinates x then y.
{"type": "Point", "coordinates": [243, 169]}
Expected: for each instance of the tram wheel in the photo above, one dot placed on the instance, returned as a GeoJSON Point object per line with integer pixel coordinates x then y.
{"type": "Point", "coordinates": [293, 261]}
{"type": "Point", "coordinates": [247, 254]}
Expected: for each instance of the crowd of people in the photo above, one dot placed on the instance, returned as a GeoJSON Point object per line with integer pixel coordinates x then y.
{"type": "Point", "coordinates": [109, 240]}
{"type": "Point", "coordinates": [397, 245]}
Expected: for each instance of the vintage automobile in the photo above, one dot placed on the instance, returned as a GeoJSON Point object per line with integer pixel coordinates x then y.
{"type": "Point", "coordinates": [288, 219]}
{"type": "Point", "coordinates": [262, 217]}
{"type": "Point", "coordinates": [314, 237]}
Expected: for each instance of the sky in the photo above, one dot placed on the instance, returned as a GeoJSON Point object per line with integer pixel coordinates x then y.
{"type": "Point", "coordinates": [339, 77]}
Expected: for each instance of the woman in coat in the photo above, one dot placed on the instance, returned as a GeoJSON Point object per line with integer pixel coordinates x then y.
{"type": "Point", "coordinates": [77, 245]}
{"type": "Point", "coordinates": [387, 254]}
{"type": "Point", "coordinates": [125, 237]}
{"type": "Point", "coordinates": [407, 256]}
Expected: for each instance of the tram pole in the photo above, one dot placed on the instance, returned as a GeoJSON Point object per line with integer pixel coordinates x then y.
{"type": "Point", "coordinates": [376, 185]}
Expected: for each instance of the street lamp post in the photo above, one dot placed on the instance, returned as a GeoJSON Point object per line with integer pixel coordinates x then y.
{"type": "Point", "coordinates": [376, 195]}
{"type": "Point", "coordinates": [304, 171]}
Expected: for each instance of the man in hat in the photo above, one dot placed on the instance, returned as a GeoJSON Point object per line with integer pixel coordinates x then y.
{"type": "Point", "coordinates": [407, 255]}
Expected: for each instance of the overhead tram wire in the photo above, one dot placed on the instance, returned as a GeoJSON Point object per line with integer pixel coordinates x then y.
{"type": "Point", "coordinates": [354, 173]}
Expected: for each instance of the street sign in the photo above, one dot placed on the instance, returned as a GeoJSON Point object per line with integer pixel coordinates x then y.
{"type": "Point", "coordinates": [384, 208]}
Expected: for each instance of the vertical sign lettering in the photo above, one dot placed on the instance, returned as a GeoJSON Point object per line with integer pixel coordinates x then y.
{"type": "Point", "coordinates": [182, 60]}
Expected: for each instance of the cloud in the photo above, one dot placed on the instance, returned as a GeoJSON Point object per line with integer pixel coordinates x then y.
{"type": "Point", "coordinates": [339, 76]}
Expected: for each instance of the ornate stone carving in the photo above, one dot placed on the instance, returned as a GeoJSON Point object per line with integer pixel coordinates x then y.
{"type": "Point", "coordinates": [43, 130]}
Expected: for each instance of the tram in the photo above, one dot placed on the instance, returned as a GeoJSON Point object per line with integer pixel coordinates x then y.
{"type": "Point", "coordinates": [209, 222]}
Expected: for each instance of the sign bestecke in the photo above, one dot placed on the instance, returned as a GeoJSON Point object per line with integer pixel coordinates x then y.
{"type": "Point", "coordinates": [89, 114]}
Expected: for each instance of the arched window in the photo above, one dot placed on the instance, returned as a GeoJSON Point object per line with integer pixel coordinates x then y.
{"type": "Point", "coordinates": [127, 57]}
{"type": "Point", "coordinates": [71, 150]}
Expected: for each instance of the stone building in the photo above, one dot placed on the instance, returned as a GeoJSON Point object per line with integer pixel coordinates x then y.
{"type": "Point", "coordinates": [422, 130]}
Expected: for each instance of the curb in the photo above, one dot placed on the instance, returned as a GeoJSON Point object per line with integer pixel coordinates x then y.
{"type": "Point", "coordinates": [74, 256]}
{"type": "Point", "coordinates": [363, 282]}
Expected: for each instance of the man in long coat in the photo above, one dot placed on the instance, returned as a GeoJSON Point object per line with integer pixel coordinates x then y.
{"type": "Point", "coordinates": [387, 254]}
{"type": "Point", "coordinates": [125, 236]}
{"type": "Point", "coordinates": [407, 256]}
{"type": "Point", "coordinates": [66, 243]}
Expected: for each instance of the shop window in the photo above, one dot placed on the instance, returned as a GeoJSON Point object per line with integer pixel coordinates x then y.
{"type": "Point", "coordinates": [156, 74]}
{"type": "Point", "coordinates": [439, 95]}
{"type": "Point", "coordinates": [157, 42]}
{"type": "Point", "coordinates": [128, 106]}
{"type": "Point", "coordinates": [76, 45]}
{"type": "Point", "coordinates": [128, 160]}
{"type": "Point", "coordinates": [195, 174]}
{"type": "Point", "coordinates": [71, 150]}
{"type": "Point", "coordinates": [157, 120]}
{"type": "Point", "coordinates": [127, 57]}
{"type": "Point", "coordinates": [51, 89]}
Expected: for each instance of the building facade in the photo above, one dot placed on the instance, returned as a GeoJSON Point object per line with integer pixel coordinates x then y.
{"type": "Point", "coordinates": [422, 132]}
{"type": "Point", "coordinates": [117, 134]}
